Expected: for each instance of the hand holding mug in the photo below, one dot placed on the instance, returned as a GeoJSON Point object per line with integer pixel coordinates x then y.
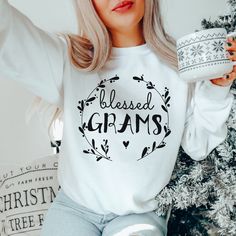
{"type": "Point", "coordinates": [228, 79]}
{"type": "Point", "coordinates": [202, 55]}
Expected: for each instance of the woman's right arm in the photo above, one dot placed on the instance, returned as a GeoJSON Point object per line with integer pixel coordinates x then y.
{"type": "Point", "coordinates": [30, 55]}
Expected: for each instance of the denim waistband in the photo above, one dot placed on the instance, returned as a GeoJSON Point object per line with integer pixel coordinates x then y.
{"type": "Point", "coordinates": [64, 200]}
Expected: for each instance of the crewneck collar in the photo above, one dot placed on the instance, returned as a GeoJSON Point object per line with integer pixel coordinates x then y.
{"type": "Point", "coordinates": [124, 51]}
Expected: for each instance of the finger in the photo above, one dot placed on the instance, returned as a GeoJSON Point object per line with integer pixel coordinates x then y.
{"type": "Point", "coordinates": [230, 45]}
{"type": "Point", "coordinates": [234, 69]}
{"type": "Point", "coordinates": [231, 55]}
{"type": "Point", "coordinates": [225, 80]}
{"type": "Point", "coordinates": [221, 82]}
{"type": "Point", "coordinates": [230, 76]}
{"type": "Point", "coordinates": [230, 39]}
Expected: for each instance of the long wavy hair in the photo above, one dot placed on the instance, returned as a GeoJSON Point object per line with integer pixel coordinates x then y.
{"type": "Point", "coordinates": [90, 48]}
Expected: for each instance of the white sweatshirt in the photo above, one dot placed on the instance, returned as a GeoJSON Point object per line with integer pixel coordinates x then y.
{"type": "Point", "coordinates": [124, 125]}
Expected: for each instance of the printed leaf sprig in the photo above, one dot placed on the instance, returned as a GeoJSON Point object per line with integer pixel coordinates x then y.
{"type": "Point", "coordinates": [138, 79]}
{"type": "Point", "coordinates": [94, 150]}
{"type": "Point", "coordinates": [81, 106]}
{"type": "Point", "coordinates": [113, 79]}
{"type": "Point", "coordinates": [150, 85]}
{"type": "Point", "coordinates": [101, 84]}
{"type": "Point", "coordinates": [166, 99]}
{"type": "Point", "coordinates": [82, 129]}
{"type": "Point", "coordinates": [154, 147]}
{"type": "Point", "coordinates": [167, 130]}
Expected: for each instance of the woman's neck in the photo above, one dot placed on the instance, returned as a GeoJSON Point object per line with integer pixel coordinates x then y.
{"type": "Point", "coordinates": [128, 37]}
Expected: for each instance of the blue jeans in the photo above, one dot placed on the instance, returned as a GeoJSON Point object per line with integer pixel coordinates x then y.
{"type": "Point", "coordinates": [66, 218]}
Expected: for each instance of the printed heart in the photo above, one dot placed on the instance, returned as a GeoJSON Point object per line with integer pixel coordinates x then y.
{"type": "Point", "coordinates": [126, 143]}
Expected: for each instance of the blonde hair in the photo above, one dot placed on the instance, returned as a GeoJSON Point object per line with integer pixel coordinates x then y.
{"type": "Point", "coordinates": [91, 47]}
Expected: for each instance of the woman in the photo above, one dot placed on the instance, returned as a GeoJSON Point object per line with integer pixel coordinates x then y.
{"type": "Point", "coordinates": [126, 112]}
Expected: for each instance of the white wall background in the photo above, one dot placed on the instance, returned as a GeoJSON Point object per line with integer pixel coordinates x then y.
{"type": "Point", "coordinates": [20, 142]}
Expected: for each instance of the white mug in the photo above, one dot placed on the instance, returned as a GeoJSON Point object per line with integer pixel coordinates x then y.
{"type": "Point", "coordinates": [202, 56]}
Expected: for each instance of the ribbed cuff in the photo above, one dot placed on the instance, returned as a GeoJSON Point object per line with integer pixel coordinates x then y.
{"type": "Point", "coordinates": [213, 91]}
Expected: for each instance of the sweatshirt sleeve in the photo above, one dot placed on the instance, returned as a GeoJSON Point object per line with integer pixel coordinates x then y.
{"type": "Point", "coordinates": [209, 106]}
{"type": "Point", "coordinates": [31, 56]}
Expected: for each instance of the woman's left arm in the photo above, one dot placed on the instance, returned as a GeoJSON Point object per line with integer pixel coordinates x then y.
{"type": "Point", "coordinates": [209, 106]}
{"type": "Point", "coordinates": [208, 109]}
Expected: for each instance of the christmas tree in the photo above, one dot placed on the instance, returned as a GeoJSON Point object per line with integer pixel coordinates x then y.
{"type": "Point", "coordinates": [202, 194]}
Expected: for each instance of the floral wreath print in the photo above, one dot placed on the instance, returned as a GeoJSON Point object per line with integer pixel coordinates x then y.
{"type": "Point", "coordinates": [101, 150]}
